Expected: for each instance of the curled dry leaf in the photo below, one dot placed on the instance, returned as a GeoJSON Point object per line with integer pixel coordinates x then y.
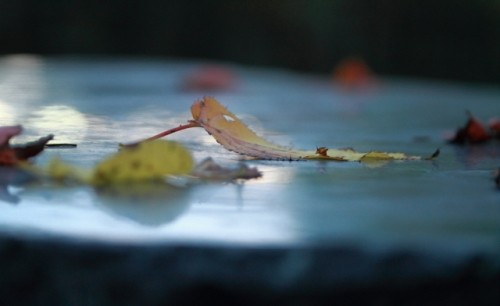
{"type": "Point", "coordinates": [235, 136]}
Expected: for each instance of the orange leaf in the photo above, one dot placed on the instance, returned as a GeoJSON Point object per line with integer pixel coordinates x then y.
{"type": "Point", "coordinates": [233, 134]}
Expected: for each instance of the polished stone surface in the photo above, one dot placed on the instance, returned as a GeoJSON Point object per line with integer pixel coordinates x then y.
{"type": "Point", "coordinates": [443, 214]}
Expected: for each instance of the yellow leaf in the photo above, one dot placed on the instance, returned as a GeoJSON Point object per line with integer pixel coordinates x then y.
{"type": "Point", "coordinates": [61, 171]}
{"type": "Point", "coordinates": [147, 161]}
{"type": "Point", "coordinates": [235, 136]}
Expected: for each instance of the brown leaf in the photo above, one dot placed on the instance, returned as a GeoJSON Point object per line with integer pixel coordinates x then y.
{"type": "Point", "coordinates": [32, 148]}
{"type": "Point", "coordinates": [210, 170]}
{"type": "Point", "coordinates": [11, 155]}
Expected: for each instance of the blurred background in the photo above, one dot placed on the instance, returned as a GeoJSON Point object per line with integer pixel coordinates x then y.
{"type": "Point", "coordinates": [446, 39]}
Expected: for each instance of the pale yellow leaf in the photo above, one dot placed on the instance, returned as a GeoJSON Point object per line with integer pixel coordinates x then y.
{"type": "Point", "coordinates": [235, 136]}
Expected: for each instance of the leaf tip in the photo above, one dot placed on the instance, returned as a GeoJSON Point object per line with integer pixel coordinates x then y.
{"type": "Point", "coordinates": [435, 154]}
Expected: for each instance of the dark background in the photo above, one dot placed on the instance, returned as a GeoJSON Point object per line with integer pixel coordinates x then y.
{"type": "Point", "coordinates": [449, 39]}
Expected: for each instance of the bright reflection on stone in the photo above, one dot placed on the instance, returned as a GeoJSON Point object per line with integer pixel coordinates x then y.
{"type": "Point", "coordinates": [22, 84]}
{"type": "Point", "coordinates": [64, 122]}
{"type": "Point", "coordinates": [22, 80]}
{"type": "Point", "coordinates": [274, 175]}
{"type": "Point", "coordinates": [8, 114]}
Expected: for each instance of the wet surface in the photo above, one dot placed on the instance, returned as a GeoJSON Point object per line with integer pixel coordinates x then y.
{"type": "Point", "coordinates": [448, 206]}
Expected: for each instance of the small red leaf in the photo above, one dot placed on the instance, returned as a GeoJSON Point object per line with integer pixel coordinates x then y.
{"type": "Point", "coordinates": [210, 78]}
{"type": "Point", "coordinates": [495, 128]}
{"type": "Point", "coordinates": [473, 132]}
{"type": "Point", "coordinates": [354, 73]}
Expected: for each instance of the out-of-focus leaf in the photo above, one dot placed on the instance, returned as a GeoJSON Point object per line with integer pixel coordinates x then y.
{"type": "Point", "coordinates": [7, 154]}
{"type": "Point", "coordinates": [495, 128]}
{"type": "Point", "coordinates": [155, 161]}
{"type": "Point", "coordinates": [472, 132]}
{"type": "Point", "coordinates": [32, 148]}
{"type": "Point", "coordinates": [210, 78]}
{"type": "Point", "coordinates": [146, 161]}
{"type": "Point", "coordinates": [63, 172]}
{"type": "Point", "coordinates": [208, 169]}
{"type": "Point", "coordinates": [235, 136]}
{"type": "Point", "coordinates": [7, 132]}
{"type": "Point", "coordinates": [353, 73]}
{"type": "Point", "coordinates": [12, 155]}
{"type": "Point", "coordinates": [150, 160]}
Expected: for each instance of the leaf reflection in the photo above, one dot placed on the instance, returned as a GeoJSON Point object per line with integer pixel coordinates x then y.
{"type": "Point", "coordinates": [147, 204]}
{"type": "Point", "coordinates": [10, 176]}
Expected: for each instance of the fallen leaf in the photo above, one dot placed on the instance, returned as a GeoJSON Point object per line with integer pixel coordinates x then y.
{"type": "Point", "coordinates": [7, 132]}
{"type": "Point", "coordinates": [150, 160]}
{"type": "Point", "coordinates": [146, 161]}
{"type": "Point", "coordinates": [31, 149]}
{"type": "Point", "coordinates": [473, 132]}
{"type": "Point", "coordinates": [210, 78]}
{"type": "Point", "coordinates": [61, 171]}
{"type": "Point", "coordinates": [208, 169]}
{"type": "Point", "coordinates": [354, 73]}
{"type": "Point", "coordinates": [235, 136]}
{"type": "Point", "coordinates": [12, 155]}
{"type": "Point", "coordinates": [495, 128]}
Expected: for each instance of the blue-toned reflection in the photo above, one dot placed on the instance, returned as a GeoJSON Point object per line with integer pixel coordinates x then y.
{"type": "Point", "coordinates": [65, 123]}
{"type": "Point", "coordinates": [146, 204]}
{"type": "Point", "coordinates": [8, 113]}
{"type": "Point", "coordinates": [22, 85]}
